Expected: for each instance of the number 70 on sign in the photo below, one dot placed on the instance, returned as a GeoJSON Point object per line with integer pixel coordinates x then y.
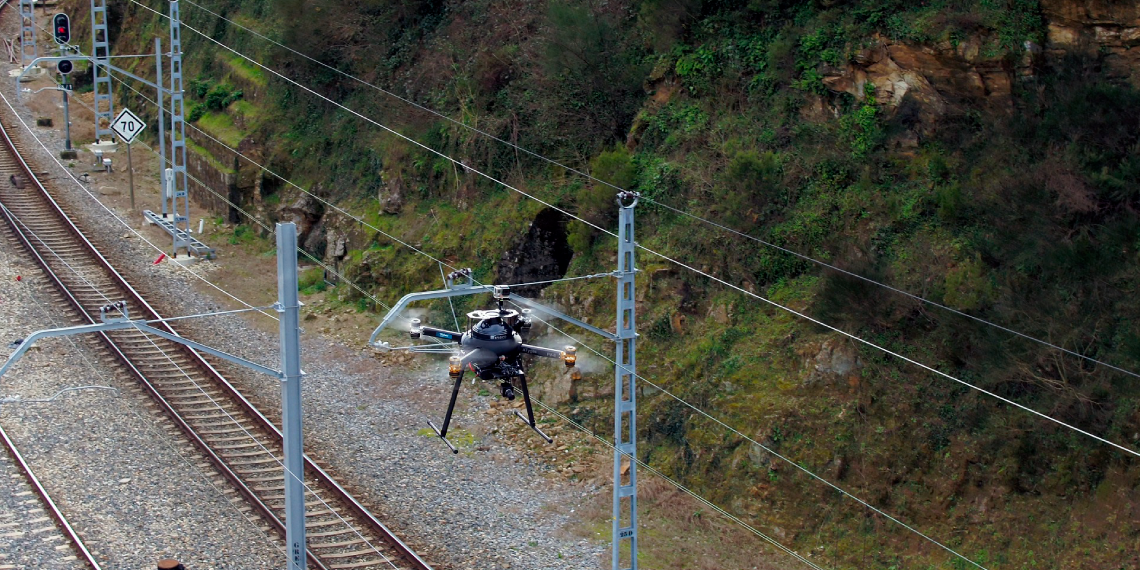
{"type": "Point", "coordinates": [127, 125]}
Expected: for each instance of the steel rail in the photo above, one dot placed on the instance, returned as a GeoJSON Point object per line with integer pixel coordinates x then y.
{"type": "Point", "coordinates": [53, 510]}
{"type": "Point", "coordinates": [320, 478]}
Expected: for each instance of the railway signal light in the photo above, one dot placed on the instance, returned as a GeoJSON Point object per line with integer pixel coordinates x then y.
{"type": "Point", "coordinates": [61, 28]}
{"type": "Point", "coordinates": [64, 66]}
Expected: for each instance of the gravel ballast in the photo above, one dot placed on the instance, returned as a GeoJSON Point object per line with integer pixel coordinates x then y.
{"type": "Point", "coordinates": [493, 506]}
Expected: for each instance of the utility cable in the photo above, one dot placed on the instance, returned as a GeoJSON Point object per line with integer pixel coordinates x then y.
{"type": "Point", "coordinates": [218, 406]}
{"type": "Point", "coordinates": [771, 451]}
{"type": "Point", "coordinates": [738, 233]}
{"type": "Point", "coordinates": [663, 256]}
{"type": "Point", "coordinates": [679, 486]}
{"type": "Point", "coordinates": [112, 212]}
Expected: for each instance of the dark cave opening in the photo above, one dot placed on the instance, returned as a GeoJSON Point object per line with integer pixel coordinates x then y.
{"type": "Point", "coordinates": [543, 253]}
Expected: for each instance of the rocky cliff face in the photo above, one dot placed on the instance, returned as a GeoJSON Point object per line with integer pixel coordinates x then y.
{"type": "Point", "coordinates": [939, 78]}
{"type": "Point", "coordinates": [1108, 27]}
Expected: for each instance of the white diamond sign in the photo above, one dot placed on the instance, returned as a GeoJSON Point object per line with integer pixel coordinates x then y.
{"type": "Point", "coordinates": [127, 126]}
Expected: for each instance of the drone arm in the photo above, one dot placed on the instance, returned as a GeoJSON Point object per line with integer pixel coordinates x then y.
{"type": "Point", "coordinates": [540, 351]}
{"type": "Point", "coordinates": [441, 333]}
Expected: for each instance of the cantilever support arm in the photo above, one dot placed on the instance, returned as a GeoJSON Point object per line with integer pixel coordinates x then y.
{"type": "Point", "coordinates": [140, 325]}
{"type": "Point", "coordinates": [535, 305]}
{"type": "Point", "coordinates": [470, 290]}
{"type": "Point", "coordinates": [38, 60]}
{"type": "Point", "coordinates": [427, 295]}
{"type": "Point", "coordinates": [66, 331]}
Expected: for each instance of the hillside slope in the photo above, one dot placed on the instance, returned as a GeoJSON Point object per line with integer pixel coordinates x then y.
{"type": "Point", "coordinates": [981, 154]}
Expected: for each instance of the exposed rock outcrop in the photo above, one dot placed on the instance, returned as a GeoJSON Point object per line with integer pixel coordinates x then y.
{"type": "Point", "coordinates": [937, 78]}
{"type": "Point", "coordinates": [1108, 27]}
{"type": "Point", "coordinates": [308, 213]}
{"type": "Point", "coordinates": [391, 195]}
{"type": "Point", "coordinates": [835, 361]}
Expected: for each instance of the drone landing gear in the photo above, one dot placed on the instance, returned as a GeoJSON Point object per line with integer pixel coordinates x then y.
{"type": "Point", "coordinates": [529, 420]}
{"type": "Point", "coordinates": [442, 433]}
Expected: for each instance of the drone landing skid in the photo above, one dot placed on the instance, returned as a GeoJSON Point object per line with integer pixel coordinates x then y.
{"type": "Point", "coordinates": [441, 436]}
{"type": "Point", "coordinates": [528, 419]}
{"type": "Point", "coordinates": [530, 412]}
{"type": "Point", "coordinates": [534, 427]}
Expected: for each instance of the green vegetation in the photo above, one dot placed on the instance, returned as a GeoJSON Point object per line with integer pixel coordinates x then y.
{"type": "Point", "coordinates": [222, 127]}
{"type": "Point", "coordinates": [1015, 206]}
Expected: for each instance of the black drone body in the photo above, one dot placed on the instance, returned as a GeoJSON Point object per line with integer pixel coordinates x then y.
{"type": "Point", "coordinates": [492, 348]}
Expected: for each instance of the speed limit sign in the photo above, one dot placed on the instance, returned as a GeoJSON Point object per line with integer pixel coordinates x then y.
{"type": "Point", "coordinates": [127, 126]}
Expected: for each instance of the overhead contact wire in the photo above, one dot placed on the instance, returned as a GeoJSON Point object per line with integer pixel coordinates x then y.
{"type": "Point", "coordinates": [663, 256]}
{"type": "Point", "coordinates": [739, 233]}
{"type": "Point", "coordinates": [773, 452]}
{"type": "Point", "coordinates": [219, 406]}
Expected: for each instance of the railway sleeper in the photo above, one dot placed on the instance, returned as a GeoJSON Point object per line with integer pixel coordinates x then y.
{"type": "Point", "coordinates": [342, 544]}
{"type": "Point", "coordinates": [364, 552]}
{"type": "Point", "coordinates": [357, 565]}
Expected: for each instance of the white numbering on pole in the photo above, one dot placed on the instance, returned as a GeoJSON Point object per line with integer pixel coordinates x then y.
{"type": "Point", "coordinates": [127, 125]}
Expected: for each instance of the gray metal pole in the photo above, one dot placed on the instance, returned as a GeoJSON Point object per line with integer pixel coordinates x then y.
{"type": "Point", "coordinates": [289, 309]}
{"type": "Point", "coordinates": [66, 123]}
{"type": "Point", "coordinates": [161, 125]}
{"type": "Point", "coordinates": [130, 175]}
{"type": "Point", "coordinates": [625, 393]}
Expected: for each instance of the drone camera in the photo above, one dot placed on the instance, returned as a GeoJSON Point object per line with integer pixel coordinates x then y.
{"type": "Point", "coordinates": [416, 329]}
{"type": "Point", "coordinates": [454, 366]}
{"type": "Point", "coordinates": [570, 356]}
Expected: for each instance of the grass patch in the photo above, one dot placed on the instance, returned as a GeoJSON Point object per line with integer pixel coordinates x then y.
{"type": "Point", "coordinates": [221, 126]}
{"type": "Point", "coordinates": [208, 157]}
{"type": "Point", "coordinates": [247, 71]}
{"type": "Point", "coordinates": [312, 280]}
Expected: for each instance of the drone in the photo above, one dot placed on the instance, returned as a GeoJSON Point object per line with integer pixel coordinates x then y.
{"type": "Point", "coordinates": [492, 349]}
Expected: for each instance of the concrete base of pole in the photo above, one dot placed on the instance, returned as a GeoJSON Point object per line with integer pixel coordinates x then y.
{"type": "Point", "coordinates": [184, 259]}
{"type": "Point", "coordinates": [32, 74]}
{"type": "Point", "coordinates": [104, 146]}
{"type": "Point", "coordinates": [170, 564]}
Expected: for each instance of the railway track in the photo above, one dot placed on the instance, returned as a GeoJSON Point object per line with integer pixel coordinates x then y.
{"type": "Point", "coordinates": [35, 515]}
{"type": "Point", "coordinates": [241, 443]}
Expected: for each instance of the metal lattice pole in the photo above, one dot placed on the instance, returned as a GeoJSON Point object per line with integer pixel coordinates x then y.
{"type": "Point", "coordinates": [179, 196]}
{"type": "Point", "coordinates": [289, 309]}
{"type": "Point", "coordinates": [28, 50]}
{"type": "Point", "coordinates": [161, 124]}
{"type": "Point", "coordinates": [625, 394]}
{"type": "Point", "coordinates": [101, 72]}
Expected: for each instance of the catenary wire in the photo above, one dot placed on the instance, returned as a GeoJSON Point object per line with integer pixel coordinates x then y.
{"type": "Point", "coordinates": [113, 213]}
{"type": "Point", "coordinates": [783, 458]}
{"type": "Point", "coordinates": [663, 256]}
{"type": "Point", "coordinates": [681, 264]}
{"type": "Point", "coordinates": [670, 259]}
{"type": "Point", "coordinates": [723, 227]}
{"type": "Point", "coordinates": [204, 393]}
{"type": "Point", "coordinates": [147, 424]}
